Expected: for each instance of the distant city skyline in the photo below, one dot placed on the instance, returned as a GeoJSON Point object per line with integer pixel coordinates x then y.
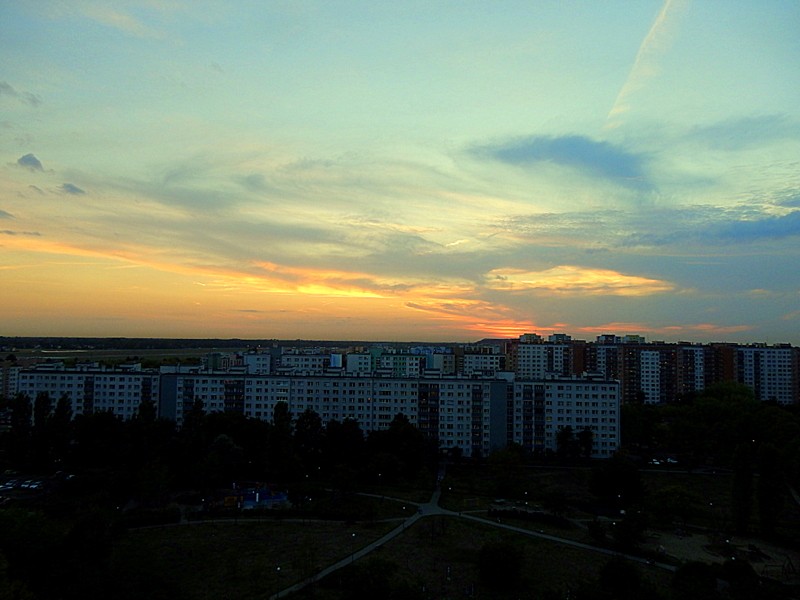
{"type": "Point", "coordinates": [442, 171]}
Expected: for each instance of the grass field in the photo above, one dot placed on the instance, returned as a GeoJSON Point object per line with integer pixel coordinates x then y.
{"type": "Point", "coordinates": [232, 559]}
{"type": "Point", "coordinates": [241, 560]}
{"type": "Point", "coordinates": [438, 557]}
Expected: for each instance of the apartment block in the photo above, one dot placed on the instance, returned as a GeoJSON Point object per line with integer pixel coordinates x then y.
{"type": "Point", "coordinates": [771, 371]}
{"type": "Point", "coordinates": [92, 388]}
{"type": "Point", "coordinates": [537, 410]}
{"type": "Point", "coordinates": [459, 413]}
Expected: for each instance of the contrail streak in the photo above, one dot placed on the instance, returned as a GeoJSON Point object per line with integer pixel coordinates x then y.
{"type": "Point", "coordinates": [646, 66]}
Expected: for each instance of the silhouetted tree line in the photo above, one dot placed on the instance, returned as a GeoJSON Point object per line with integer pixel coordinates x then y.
{"type": "Point", "coordinates": [147, 458]}
{"type": "Point", "coordinates": [57, 545]}
{"type": "Point", "coordinates": [725, 427]}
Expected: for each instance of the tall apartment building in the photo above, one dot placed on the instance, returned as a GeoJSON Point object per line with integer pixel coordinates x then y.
{"type": "Point", "coordinates": [92, 388]}
{"type": "Point", "coordinates": [540, 359]}
{"type": "Point", "coordinates": [8, 380]}
{"type": "Point", "coordinates": [658, 372]}
{"type": "Point", "coordinates": [402, 365]}
{"type": "Point", "coordinates": [771, 371]}
{"type": "Point", "coordinates": [537, 410]}
{"type": "Point", "coordinates": [481, 360]}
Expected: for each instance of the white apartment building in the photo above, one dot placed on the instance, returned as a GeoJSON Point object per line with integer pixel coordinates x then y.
{"type": "Point", "coordinates": [459, 413]}
{"type": "Point", "coordinates": [482, 363]}
{"type": "Point", "coordinates": [474, 415]}
{"type": "Point", "coordinates": [402, 365]}
{"type": "Point", "coordinates": [440, 362]}
{"type": "Point", "coordinates": [358, 363]}
{"type": "Point", "coordinates": [9, 378]}
{"type": "Point", "coordinates": [92, 388]}
{"type": "Point", "coordinates": [258, 363]}
{"type": "Point", "coordinates": [650, 375]}
{"type": "Point", "coordinates": [537, 361]}
{"type": "Point", "coordinates": [691, 368]}
{"type": "Point", "coordinates": [771, 372]}
{"type": "Point", "coordinates": [539, 409]}
{"type": "Point", "coordinates": [308, 364]}
{"type": "Point", "coordinates": [607, 359]}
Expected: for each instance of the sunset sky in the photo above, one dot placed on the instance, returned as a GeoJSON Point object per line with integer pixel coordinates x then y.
{"type": "Point", "coordinates": [407, 170]}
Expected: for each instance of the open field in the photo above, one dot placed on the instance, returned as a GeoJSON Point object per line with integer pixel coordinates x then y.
{"type": "Point", "coordinates": [232, 559]}
{"type": "Point", "coordinates": [111, 355]}
{"type": "Point", "coordinates": [241, 560]}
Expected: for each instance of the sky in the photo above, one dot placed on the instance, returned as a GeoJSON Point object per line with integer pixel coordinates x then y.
{"type": "Point", "coordinates": [413, 170]}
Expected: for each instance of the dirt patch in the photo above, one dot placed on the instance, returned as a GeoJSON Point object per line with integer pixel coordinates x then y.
{"type": "Point", "coordinates": [766, 558]}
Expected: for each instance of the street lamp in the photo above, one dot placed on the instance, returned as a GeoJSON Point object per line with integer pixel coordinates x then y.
{"type": "Point", "coordinates": [278, 571]}
{"type": "Point", "coordinates": [353, 554]}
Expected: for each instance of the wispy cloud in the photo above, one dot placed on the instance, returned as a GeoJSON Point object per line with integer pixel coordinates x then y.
{"type": "Point", "coordinates": [478, 316]}
{"type": "Point", "coordinates": [767, 228]}
{"type": "Point", "coordinates": [645, 66]}
{"type": "Point", "coordinates": [792, 199]}
{"type": "Point", "coordinates": [727, 228]}
{"type": "Point", "coordinates": [121, 21]}
{"type": "Point", "coordinates": [699, 225]}
{"type": "Point", "coordinates": [570, 279]}
{"type": "Point", "coordinates": [5, 215]}
{"type": "Point", "coordinates": [745, 132]}
{"type": "Point", "coordinates": [6, 89]}
{"type": "Point", "coordinates": [597, 158]}
{"type": "Point", "coordinates": [23, 233]}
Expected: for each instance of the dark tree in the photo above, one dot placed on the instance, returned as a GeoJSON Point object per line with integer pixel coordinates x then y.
{"type": "Point", "coordinates": [401, 450]}
{"type": "Point", "coordinates": [565, 442]}
{"type": "Point", "coordinates": [101, 441]}
{"type": "Point", "coordinates": [742, 493]}
{"type": "Point", "coordinates": [62, 415]}
{"type": "Point", "coordinates": [194, 417]}
{"type": "Point", "coordinates": [585, 442]}
{"type": "Point", "coordinates": [309, 439]}
{"type": "Point", "coordinates": [769, 489]}
{"type": "Point", "coordinates": [223, 464]}
{"type": "Point", "coordinates": [42, 407]}
{"type": "Point", "coordinates": [19, 436]}
{"type": "Point", "coordinates": [617, 483]}
{"type": "Point", "coordinates": [147, 411]}
{"type": "Point", "coordinates": [281, 460]}
{"type": "Point", "coordinates": [344, 443]}
{"type": "Point", "coordinates": [193, 444]}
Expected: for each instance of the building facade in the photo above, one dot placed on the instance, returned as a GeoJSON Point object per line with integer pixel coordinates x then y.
{"type": "Point", "coordinates": [92, 388]}
{"type": "Point", "coordinates": [473, 415]}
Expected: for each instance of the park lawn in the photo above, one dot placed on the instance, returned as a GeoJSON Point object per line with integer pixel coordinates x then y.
{"type": "Point", "coordinates": [236, 560]}
{"type": "Point", "coordinates": [471, 488]}
{"type": "Point", "coordinates": [240, 560]}
{"type": "Point", "coordinates": [440, 555]}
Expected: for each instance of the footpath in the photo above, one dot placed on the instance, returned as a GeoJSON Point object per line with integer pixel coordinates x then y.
{"type": "Point", "coordinates": [432, 508]}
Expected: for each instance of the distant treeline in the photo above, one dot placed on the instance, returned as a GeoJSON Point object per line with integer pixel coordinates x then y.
{"type": "Point", "coordinates": [123, 343]}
